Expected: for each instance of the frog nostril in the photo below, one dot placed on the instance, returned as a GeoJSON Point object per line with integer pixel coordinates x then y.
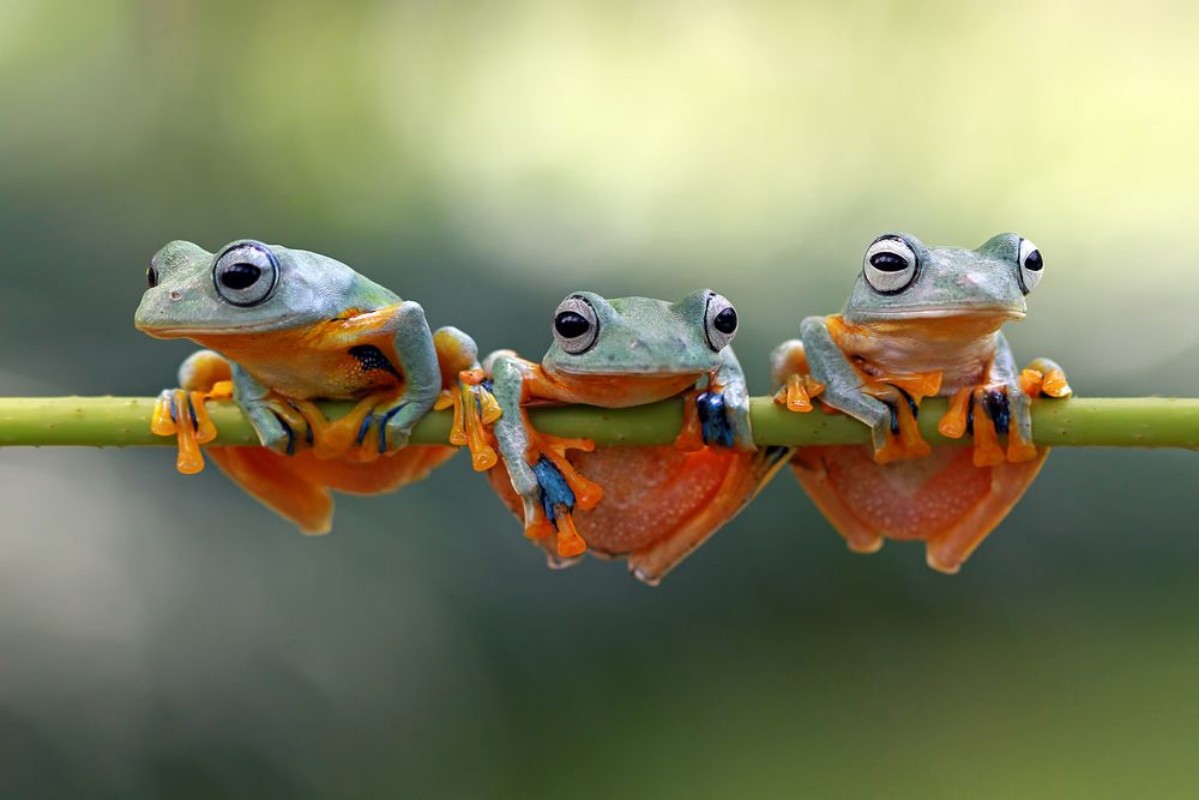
{"type": "Point", "coordinates": [175, 294]}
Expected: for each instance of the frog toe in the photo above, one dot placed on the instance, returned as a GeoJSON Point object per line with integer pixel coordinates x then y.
{"type": "Point", "coordinates": [182, 414]}
{"type": "Point", "coordinates": [1046, 377]}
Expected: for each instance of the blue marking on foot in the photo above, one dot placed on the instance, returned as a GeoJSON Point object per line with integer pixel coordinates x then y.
{"type": "Point", "coordinates": [365, 426]}
{"type": "Point", "coordinates": [713, 419]}
{"type": "Point", "coordinates": [555, 491]}
{"type": "Point", "coordinates": [383, 426]}
{"type": "Point", "coordinates": [998, 409]}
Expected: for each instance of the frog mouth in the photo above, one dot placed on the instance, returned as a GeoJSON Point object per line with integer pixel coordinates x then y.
{"type": "Point", "coordinates": [616, 372]}
{"type": "Point", "coordinates": [952, 312]}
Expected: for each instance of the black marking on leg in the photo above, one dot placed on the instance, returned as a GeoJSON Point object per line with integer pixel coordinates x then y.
{"type": "Point", "coordinates": [970, 415]}
{"type": "Point", "coordinates": [911, 403]}
{"type": "Point", "coordinates": [773, 453]}
{"type": "Point", "coordinates": [291, 435]}
{"type": "Point", "coordinates": [191, 412]}
{"type": "Point", "coordinates": [894, 417]}
{"type": "Point", "coordinates": [371, 358]}
{"type": "Point", "coordinates": [998, 409]}
{"type": "Point", "coordinates": [171, 409]}
{"type": "Point", "coordinates": [713, 419]}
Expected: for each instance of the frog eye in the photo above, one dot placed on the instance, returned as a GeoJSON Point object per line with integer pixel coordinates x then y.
{"type": "Point", "coordinates": [151, 276]}
{"type": "Point", "coordinates": [246, 274]}
{"type": "Point", "coordinates": [720, 322]}
{"type": "Point", "coordinates": [890, 265]}
{"type": "Point", "coordinates": [576, 326]}
{"type": "Point", "coordinates": [1032, 266]}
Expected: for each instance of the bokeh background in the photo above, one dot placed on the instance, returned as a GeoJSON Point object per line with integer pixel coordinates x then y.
{"type": "Point", "coordinates": [164, 636]}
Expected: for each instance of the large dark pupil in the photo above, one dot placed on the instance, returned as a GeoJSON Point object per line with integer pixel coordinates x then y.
{"type": "Point", "coordinates": [571, 325]}
{"type": "Point", "coordinates": [725, 321]}
{"type": "Point", "coordinates": [240, 276]}
{"type": "Point", "coordinates": [1034, 262]}
{"type": "Point", "coordinates": [888, 262]}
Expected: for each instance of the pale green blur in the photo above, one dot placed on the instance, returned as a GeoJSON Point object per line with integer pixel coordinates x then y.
{"type": "Point", "coordinates": [166, 636]}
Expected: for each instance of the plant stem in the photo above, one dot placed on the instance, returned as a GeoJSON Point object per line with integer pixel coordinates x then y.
{"type": "Point", "coordinates": [1080, 422]}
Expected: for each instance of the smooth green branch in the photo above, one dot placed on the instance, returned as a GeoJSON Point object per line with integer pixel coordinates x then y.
{"type": "Point", "coordinates": [1080, 422]}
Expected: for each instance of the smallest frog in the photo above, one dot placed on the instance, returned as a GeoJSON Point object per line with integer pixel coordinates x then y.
{"type": "Point", "coordinates": [652, 505]}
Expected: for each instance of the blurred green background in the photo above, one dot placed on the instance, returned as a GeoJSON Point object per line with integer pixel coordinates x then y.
{"type": "Point", "coordinates": [163, 636]}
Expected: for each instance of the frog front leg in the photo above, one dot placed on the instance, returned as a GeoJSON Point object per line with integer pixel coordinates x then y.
{"type": "Point", "coordinates": [843, 387]}
{"type": "Point", "coordinates": [395, 346]}
{"type": "Point", "coordinates": [418, 363]}
{"type": "Point", "coordinates": [549, 486]}
{"type": "Point", "coordinates": [1002, 405]}
{"type": "Point", "coordinates": [717, 413]}
{"type": "Point", "coordinates": [276, 422]}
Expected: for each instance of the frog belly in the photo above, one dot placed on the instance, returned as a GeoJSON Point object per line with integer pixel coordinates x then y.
{"type": "Point", "coordinates": [942, 499]}
{"type": "Point", "coordinates": [659, 503]}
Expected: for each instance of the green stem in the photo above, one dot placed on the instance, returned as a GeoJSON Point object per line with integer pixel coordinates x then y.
{"type": "Point", "coordinates": [1081, 422]}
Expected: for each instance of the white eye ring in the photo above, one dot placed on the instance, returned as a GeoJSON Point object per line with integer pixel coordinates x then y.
{"type": "Point", "coordinates": [1032, 266]}
{"type": "Point", "coordinates": [889, 265]}
{"type": "Point", "coordinates": [720, 322]}
{"type": "Point", "coordinates": [245, 274]}
{"type": "Point", "coordinates": [576, 326]}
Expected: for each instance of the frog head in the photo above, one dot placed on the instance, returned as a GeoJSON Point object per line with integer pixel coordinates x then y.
{"type": "Point", "coordinates": [640, 335]}
{"type": "Point", "coordinates": [247, 287]}
{"type": "Point", "coordinates": [902, 279]}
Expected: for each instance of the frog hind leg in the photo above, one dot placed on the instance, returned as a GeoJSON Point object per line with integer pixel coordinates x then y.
{"type": "Point", "coordinates": [280, 483]}
{"type": "Point", "coordinates": [948, 550]}
{"type": "Point", "coordinates": [297, 487]}
{"type": "Point", "coordinates": [743, 476]}
{"type": "Point", "coordinates": [943, 499]}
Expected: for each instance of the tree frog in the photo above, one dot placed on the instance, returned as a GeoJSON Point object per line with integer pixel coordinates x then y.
{"type": "Point", "coordinates": [652, 505]}
{"type": "Point", "coordinates": [923, 321]}
{"type": "Point", "coordinates": [287, 327]}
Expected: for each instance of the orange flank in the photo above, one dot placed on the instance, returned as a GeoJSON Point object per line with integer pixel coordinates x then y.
{"type": "Point", "coordinates": [318, 361]}
{"type": "Point", "coordinates": [297, 487]}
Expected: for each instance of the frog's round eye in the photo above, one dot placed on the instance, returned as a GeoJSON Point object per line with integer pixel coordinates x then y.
{"type": "Point", "coordinates": [720, 322]}
{"type": "Point", "coordinates": [151, 276]}
{"type": "Point", "coordinates": [1032, 266]}
{"type": "Point", "coordinates": [576, 326]}
{"type": "Point", "coordinates": [246, 274]}
{"type": "Point", "coordinates": [890, 265]}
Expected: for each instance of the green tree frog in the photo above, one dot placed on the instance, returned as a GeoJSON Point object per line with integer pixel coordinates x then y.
{"type": "Point", "coordinates": [652, 505]}
{"type": "Point", "coordinates": [285, 328]}
{"type": "Point", "coordinates": [923, 321]}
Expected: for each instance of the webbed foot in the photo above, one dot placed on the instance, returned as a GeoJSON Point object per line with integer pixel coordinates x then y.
{"type": "Point", "coordinates": [203, 376]}
{"type": "Point", "coordinates": [789, 371]}
{"type": "Point", "coordinates": [902, 395]}
{"type": "Point", "coordinates": [475, 411]}
{"type": "Point", "coordinates": [561, 489]}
